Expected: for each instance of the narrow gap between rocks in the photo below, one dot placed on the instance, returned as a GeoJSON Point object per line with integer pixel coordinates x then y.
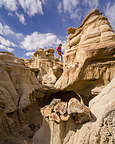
{"type": "Point", "coordinates": [65, 96]}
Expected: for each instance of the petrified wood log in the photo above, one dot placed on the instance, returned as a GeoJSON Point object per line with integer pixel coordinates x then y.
{"type": "Point", "coordinates": [65, 117]}
{"type": "Point", "coordinates": [54, 117]}
{"type": "Point", "coordinates": [61, 107]}
{"type": "Point", "coordinates": [46, 111]}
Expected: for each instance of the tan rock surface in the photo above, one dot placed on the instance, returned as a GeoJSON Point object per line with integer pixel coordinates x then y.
{"type": "Point", "coordinates": [54, 133]}
{"type": "Point", "coordinates": [49, 70]}
{"type": "Point", "coordinates": [102, 129]}
{"type": "Point", "coordinates": [89, 65]}
{"type": "Point", "coordinates": [54, 102]}
{"type": "Point", "coordinates": [89, 59]}
{"type": "Point", "coordinates": [16, 84]}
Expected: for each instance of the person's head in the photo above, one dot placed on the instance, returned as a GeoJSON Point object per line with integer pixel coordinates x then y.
{"type": "Point", "coordinates": [60, 44]}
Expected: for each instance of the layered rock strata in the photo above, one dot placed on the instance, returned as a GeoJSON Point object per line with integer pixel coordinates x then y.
{"type": "Point", "coordinates": [47, 69]}
{"type": "Point", "coordinates": [17, 82]}
{"type": "Point", "coordinates": [89, 65]}
{"type": "Point", "coordinates": [89, 59]}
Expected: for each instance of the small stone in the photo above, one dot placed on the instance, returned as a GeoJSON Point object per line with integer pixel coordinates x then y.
{"type": "Point", "coordinates": [61, 107]}
{"type": "Point", "coordinates": [54, 117]}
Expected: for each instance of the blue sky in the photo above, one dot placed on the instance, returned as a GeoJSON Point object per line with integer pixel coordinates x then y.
{"type": "Point", "coordinates": [26, 25]}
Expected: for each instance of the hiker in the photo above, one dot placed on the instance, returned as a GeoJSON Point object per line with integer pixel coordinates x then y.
{"type": "Point", "coordinates": [59, 52]}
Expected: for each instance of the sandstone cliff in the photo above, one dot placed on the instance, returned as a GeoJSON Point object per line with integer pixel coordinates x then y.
{"type": "Point", "coordinates": [21, 84]}
{"type": "Point", "coordinates": [89, 59]}
{"type": "Point", "coordinates": [17, 82]}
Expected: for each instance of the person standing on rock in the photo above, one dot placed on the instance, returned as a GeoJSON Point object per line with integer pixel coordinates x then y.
{"type": "Point", "coordinates": [59, 52]}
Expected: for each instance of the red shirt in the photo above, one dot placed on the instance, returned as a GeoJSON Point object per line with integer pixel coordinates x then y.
{"type": "Point", "coordinates": [58, 48]}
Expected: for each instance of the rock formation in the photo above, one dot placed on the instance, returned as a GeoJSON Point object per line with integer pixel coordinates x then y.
{"type": "Point", "coordinates": [17, 82]}
{"type": "Point", "coordinates": [47, 69]}
{"type": "Point", "coordinates": [45, 102]}
{"type": "Point", "coordinates": [99, 130]}
{"type": "Point", "coordinates": [20, 86]}
{"type": "Point", "coordinates": [89, 59]}
{"type": "Point", "coordinates": [102, 130]}
{"type": "Point", "coordinates": [89, 65]}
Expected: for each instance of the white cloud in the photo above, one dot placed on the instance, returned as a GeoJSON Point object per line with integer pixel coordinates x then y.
{"type": "Point", "coordinates": [6, 48]}
{"type": "Point", "coordinates": [74, 9]}
{"type": "Point", "coordinates": [60, 7]}
{"type": "Point", "coordinates": [92, 4]}
{"type": "Point", "coordinates": [9, 4]}
{"type": "Point", "coordinates": [10, 14]}
{"type": "Point", "coordinates": [6, 42]}
{"type": "Point", "coordinates": [63, 45]}
{"type": "Point", "coordinates": [110, 13]}
{"type": "Point", "coordinates": [76, 14]}
{"type": "Point", "coordinates": [32, 7]}
{"type": "Point", "coordinates": [21, 18]}
{"type": "Point", "coordinates": [70, 5]}
{"type": "Point", "coordinates": [7, 31]}
{"type": "Point", "coordinates": [38, 40]}
{"type": "Point", "coordinates": [9, 38]}
{"type": "Point", "coordinates": [29, 53]}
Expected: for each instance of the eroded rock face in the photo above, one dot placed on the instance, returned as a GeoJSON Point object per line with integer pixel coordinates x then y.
{"type": "Point", "coordinates": [49, 70]}
{"type": "Point", "coordinates": [16, 84]}
{"type": "Point", "coordinates": [89, 59]}
{"type": "Point", "coordinates": [89, 65]}
{"type": "Point", "coordinates": [102, 129]}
